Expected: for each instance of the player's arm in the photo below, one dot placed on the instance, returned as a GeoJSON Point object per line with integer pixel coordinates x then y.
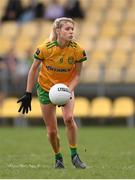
{"type": "Point", "coordinates": [75, 80]}
{"type": "Point", "coordinates": [32, 75]}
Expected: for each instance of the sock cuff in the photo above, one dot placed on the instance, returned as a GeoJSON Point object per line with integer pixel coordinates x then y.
{"type": "Point", "coordinates": [57, 153]}
{"type": "Point", "coordinates": [73, 146]}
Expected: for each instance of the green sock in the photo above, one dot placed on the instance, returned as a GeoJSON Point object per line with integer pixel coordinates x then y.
{"type": "Point", "coordinates": [58, 156]}
{"type": "Point", "coordinates": [73, 151]}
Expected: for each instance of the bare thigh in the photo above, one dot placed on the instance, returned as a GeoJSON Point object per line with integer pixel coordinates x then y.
{"type": "Point", "coordinates": [68, 109]}
{"type": "Point", "coordinates": [49, 116]}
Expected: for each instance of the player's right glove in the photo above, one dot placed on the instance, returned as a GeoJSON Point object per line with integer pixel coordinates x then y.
{"type": "Point", "coordinates": [25, 101]}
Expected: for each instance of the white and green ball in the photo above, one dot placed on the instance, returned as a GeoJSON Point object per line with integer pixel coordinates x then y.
{"type": "Point", "coordinates": [59, 94]}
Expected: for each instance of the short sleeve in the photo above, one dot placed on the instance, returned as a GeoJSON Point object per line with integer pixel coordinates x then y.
{"type": "Point", "coordinates": [80, 55]}
{"type": "Point", "coordinates": [39, 55]}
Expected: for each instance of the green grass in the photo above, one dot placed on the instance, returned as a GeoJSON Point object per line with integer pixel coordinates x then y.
{"type": "Point", "coordinates": [108, 152]}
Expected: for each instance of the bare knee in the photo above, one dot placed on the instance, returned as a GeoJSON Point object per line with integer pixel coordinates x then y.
{"type": "Point", "coordinates": [69, 121]}
{"type": "Point", "coordinates": [52, 133]}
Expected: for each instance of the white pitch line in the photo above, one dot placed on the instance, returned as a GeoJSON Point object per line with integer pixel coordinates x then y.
{"type": "Point", "coordinates": [32, 166]}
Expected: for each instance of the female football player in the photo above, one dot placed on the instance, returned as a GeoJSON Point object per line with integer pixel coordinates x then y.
{"type": "Point", "coordinates": [61, 62]}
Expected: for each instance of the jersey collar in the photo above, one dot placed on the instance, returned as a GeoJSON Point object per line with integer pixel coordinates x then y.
{"type": "Point", "coordinates": [57, 44]}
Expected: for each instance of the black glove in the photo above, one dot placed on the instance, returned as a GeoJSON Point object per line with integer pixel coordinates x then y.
{"type": "Point", "coordinates": [25, 102]}
{"type": "Point", "coordinates": [61, 105]}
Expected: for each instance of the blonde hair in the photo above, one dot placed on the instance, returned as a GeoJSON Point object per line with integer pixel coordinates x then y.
{"type": "Point", "coordinates": [58, 23]}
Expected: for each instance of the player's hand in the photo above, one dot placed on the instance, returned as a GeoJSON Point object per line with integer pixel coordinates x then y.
{"type": "Point", "coordinates": [61, 105]}
{"type": "Point", "coordinates": [25, 101]}
{"type": "Point", "coordinates": [64, 104]}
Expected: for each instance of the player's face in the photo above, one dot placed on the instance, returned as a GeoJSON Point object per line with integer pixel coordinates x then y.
{"type": "Point", "coordinates": [66, 32]}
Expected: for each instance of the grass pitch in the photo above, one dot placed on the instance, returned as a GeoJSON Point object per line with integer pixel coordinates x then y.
{"type": "Point", "coordinates": [109, 152]}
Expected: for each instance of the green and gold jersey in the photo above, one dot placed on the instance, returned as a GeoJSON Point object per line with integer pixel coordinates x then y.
{"type": "Point", "coordinates": [58, 64]}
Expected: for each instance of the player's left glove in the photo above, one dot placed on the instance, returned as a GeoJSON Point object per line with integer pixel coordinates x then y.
{"type": "Point", "coordinates": [25, 101]}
